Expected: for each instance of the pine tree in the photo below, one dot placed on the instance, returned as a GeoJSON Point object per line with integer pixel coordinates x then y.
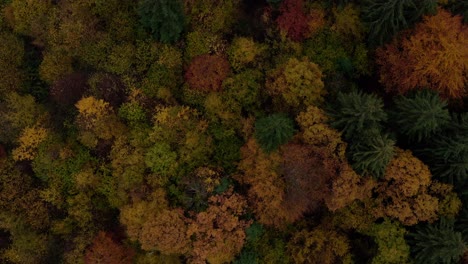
{"type": "Point", "coordinates": [354, 112]}
{"type": "Point", "coordinates": [387, 17]}
{"type": "Point", "coordinates": [448, 151]}
{"type": "Point", "coordinates": [164, 18]}
{"type": "Point", "coordinates": [420, 116]}
{"type": "Point", "coordinates": [371, 152]}
{"type": "Point", "coordinates": [438, 243]}
{"type": "Point", "coordinates": [273, 131]}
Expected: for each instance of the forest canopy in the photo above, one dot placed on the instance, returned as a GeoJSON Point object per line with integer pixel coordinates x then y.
{"type": "Point", "coordinates": [234, 131]}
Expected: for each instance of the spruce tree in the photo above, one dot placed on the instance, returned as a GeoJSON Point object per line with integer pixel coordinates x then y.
{"type": "Point", "coordinates": [437, 243]}
{"type": "Point", "coordinates": [420, 116]}
{"type": "Point", "coordinates": [163, 18]}
{"type": "Point", "coordinates": [370, 153]}
{"type": "Point", "coordinates": [355, 112]}
{"type": "Point", "coordinates": [273, 131]}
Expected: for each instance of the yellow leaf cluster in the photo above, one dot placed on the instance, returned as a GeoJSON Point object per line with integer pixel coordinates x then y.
{"type": "Point", "coordinates": [29, 141]}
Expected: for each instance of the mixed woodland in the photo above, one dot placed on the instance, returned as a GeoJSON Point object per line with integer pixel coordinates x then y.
{"type": "Point", "coordinates": [234, 131]}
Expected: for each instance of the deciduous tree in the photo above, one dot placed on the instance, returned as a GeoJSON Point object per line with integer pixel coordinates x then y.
{"type": "Point", "coordinates": [207, 72]}
{"type": "Point", "coordinates": [433, 55]}
{"type": "Point", "coordinates": [106, 250]}
{"type": "Point", "coordinates": [293, 19]}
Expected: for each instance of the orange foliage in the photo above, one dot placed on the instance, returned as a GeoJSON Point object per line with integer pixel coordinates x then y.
{"type": "Point", "coordinates": [266, 190]}
{"type": "Point", "coordinates": [435, 56]}
{"type": "Point", "coordinates": [207, 72]}
{"type": "Point", "coordinates": [106, 251]}
{"type": "Point", "coordinates": [219, 232]}
{"type": "Point", "coordinates": [308, 173]}
{"type": "Point", "coordinates": [293, 20]}
{"type": "Point", "coordinates": [403, 193]}
{"type": "Point", "coordinates": [166, 232]}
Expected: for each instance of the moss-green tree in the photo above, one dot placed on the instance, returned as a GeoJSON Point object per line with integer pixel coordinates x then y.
{"type": "Point", "coordinates": [273, 131]}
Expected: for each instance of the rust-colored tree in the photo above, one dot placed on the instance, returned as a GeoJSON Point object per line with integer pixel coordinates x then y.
{"type": "Point", "coordinates": [207, 72]}
{"type": "Point", "coordinates": [219, 232]}
{"type": "Point", "coordinates": [106, 250]}
{"type": "Point", "coordinates": [69, 89]}
{"type": "Point", "coordinates": [293, 20]}
{"type": "Point", "coordinates": [434, 55]}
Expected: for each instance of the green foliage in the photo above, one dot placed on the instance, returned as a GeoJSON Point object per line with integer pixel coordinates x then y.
{"type": "Point", "coordinates": [392, 247]}
{"type": "Point", "coordinates": [161, 159]}
{"type": "Point", "coordinates": [437, 243]}
{"type": "Point", "coordinates": [447, 152]}
{"type": "Point", "coordinates": [355, 112]}
{"type": "Point", "coordinates": [371, 153]}
{"type": "Point", "coordinates": [420, 116]}
{"type": "Point", "coordinates": [273, 131]}
{"type": "Point", "coordinates": [164, 18]}
{"type": "Point", "coordinates": [385, 18]}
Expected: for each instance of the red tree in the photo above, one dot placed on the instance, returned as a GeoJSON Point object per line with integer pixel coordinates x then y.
{"type": "Point", "coordinates": [68, 90]}
{"type": "Point", "coordinates": [207, 72]}
{"type": "Point", "coordinates": [106, 251]}
{"type": "Point", "coordinates": [293, 20]}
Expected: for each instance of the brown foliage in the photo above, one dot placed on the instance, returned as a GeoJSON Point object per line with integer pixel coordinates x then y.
{"type": "Point", "coordinates": [107, 251]}
{"type": "Point", "coordinates": [403, 193]}
{"type": "Point", "coordinates": [433, 55]}
{"type": "Point", "coordinates": [207, 72]}
{"type": "Point", "coordinates": [308, 173]}
{"type": "Point", "coordinates": [219, 232]}
{"type": "Point", "coordinates": [69, 89]}
{"type": "Point", "coordinates": [293, 20]}
{"type": "Point", "coordinates": [108, 87]}
{"type": "Point", "coordinates": [166, 232]}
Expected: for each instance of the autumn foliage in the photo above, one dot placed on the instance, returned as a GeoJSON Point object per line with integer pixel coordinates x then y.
{"type": "Point", "coordinates": [293, 19]}
{"type": "Point", "coordinates": [106, 250]}
{"type": "Point", "coordinates": [207, 72]}
{"type": "Point", "coordinates": [434, 55]}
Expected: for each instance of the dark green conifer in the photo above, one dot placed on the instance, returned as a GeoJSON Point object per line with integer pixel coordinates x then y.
{"type": "Point", "coordinates": [420, 116]}
{"type": "Point", "coordinates": [273, 131]}
{"type": "Point", "coordinates": [437, 243]}
{"type": "Point", "coordinates": [355, 112]}
{"type": "Point", "coordinates": [164, 18]}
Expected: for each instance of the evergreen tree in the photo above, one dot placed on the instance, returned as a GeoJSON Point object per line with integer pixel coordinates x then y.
{"type": "Point", "coordinates": [354, 112]}
{"type": "Point", "coordinates": [164, 18]}
{"type": "Point", "coordinates": [420, 116]}
{"type": "Point", "coordinates": [387, 17]}
{"type": "Point", "coordinates": [371, 152]}
{"type": "Point", "coordinates": [448, 152]}
{"type": "Point", "coordinates": [273, 131]}
{"type": "Point", "coordinates": [437, 243]}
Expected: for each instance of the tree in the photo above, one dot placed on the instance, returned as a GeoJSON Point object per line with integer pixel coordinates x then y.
{"type": "Point", "coordinates": [11, 58]}
{"type": "Point", "coordinates": [207, 72]}
{"type": "Point", "coordinates": [420, 116]}
{"type": "Point", "coordinates": [437, 243]}
{"type": "Point", "coordinates": [69, 89]}
{"type": "Point", "coordinates": [293, 20]}
{"type": "Point", "coordinates": [447, 152]}
{"type": "Point", "coordinates": [390, 239]}
{"type": "Point", "coordinates": [354, 112]}
{"type": "Point", "coordinates": [319, 246]}
{"type": "Point", "coordinates": [164, 18]}
{"type": "Point", "coordinates": [433, 55]}
{"type": "Point", "coordinates": [371, 152]}
{"type": "Point", "coordinates": [273, 131]}
{"type": "Point", "coordinates": [298, 82]}
{"type": "Point", "coordinates": [106, 250]}
{"type": "Point", "coordinates": [29, 141]}
{"type": "Point", "coordinates": [386, 18]}
{"type": "Point", "coordinates": [219, 231]}
{"type": "Point", "coordinates": [243, 52]}
{"type": "Point", "coordinates": [403, 193]}
{"type": "Point", "coordinates": [166, 232]}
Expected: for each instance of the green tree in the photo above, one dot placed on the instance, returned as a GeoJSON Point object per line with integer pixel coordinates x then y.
{"type": "Point", "coordinates": [390, 239]}
{"type": "Point", "coordinates": [273, 131]}
{"type": "Point", "coordinates": [385, 18]}
{"type": "Point", "coordinates": [371, 153]}
{"type": "Point", "coordinates": [354, 112]}
{"type": "Point", "coordinates": [164, 18]}
{"type": "Point", "coordinates": [420, 116]}
{"type": "Point", "coordinates": [437, 243]}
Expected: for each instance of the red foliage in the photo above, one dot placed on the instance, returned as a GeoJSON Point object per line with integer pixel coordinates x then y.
{"type": "Point", "coordinates": [308, 173]}
{"type": "Point", "coordinates": [293, 20]}
{"type": "Point", "coordinates": [106, 251]}
{"type": "Point", "coordinates": [207, 72]}
{"type": "Point", "coordinates": [109, 88]}
{"type": "Point", "coordinates": [68, 90]}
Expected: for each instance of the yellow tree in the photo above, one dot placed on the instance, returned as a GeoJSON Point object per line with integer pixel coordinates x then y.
{"type": "Point", "coordinates": [434, 55]}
